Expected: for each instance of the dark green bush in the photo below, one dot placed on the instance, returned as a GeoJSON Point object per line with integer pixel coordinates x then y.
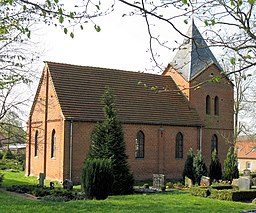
{"type": "Point", "coordinates": [200, 191]}
{"type": "Point", "coordinates": [97, 178]}
{"type": "Point", "coordinates": [233, 195]}
{"type": "Point", "coordinates": [8, 155]}
{"type": "Point", "coordinates": [11, 164]}
{"type": "Point", "coordinates": [146, 186]}
{"type": "Point", "coordinates": [1, 154]}
{"type": "Point", "coordinates": [1, 178]}
{"type": "Point", "coordinates": [221, 187]}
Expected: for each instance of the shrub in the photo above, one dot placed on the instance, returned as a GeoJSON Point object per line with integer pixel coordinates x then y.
{"type": "Point", "coordinates": [8, 154]}
{"type": "Point", "coordinates": [169, 185]}
{"type": "Point", "coordinates": [107, 141]}
{"type": "Point", "coordinates": [1, 178]}
{"type": "Point", "coordinates": [97, 178]}
{"type": "Point", "coordinates": [1, 154]}
{"type": "Point", "coordinates": [199, 167]}
{"type": "Point", "coordinates": [215, 172]}
{"type": "Point", "coordinates": [11, 164]}
{"type": "Point", "coordinates": [221, 187]}
{"type": "Point", "coordinates": [230, 165]}
{"type": "Point", "coordinates": [200, 191]}
{"type": "Point", "coordinates": [146, 186]}
{"type": "Point", "coordinates": [233, 195]}
{"type": "Point", "coordinates": [188, 170]}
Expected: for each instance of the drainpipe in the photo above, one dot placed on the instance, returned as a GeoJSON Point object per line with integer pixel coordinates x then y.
{"type": "Point", "coordinates": [45, 120]}
{"type": "Point", "coordinates": [29, 146]}
{"type": "Point", "coordinates": [70, 148]}
{"type": "Point", "coordinates": [200, 138]}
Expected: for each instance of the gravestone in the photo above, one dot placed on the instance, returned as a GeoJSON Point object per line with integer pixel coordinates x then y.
{"type": "Point", "coordinates": [247, 172]}
{"type": "Point", "coordinates": [158, 180]}
{"type": "Point", "coordinates": [205, 181]}
{"type": "Point", "coordinates": [234, 182]}
{"type": "Point", "coordinates": [68, 184]}
{"type": "Point", "coordinates": [41, 179]}
{"type": "Point", "coordinates": [244, 183]}
{"type": "Point", "coordinates": [188, 182]}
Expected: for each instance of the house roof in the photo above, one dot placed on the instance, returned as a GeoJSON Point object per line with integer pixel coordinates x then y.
{"type": "Point", "coordinates": [194, 55]}
{"type": "Point", "coordinates": [246, 148]}
{"type": "Point", "coordinates": [80, 88]}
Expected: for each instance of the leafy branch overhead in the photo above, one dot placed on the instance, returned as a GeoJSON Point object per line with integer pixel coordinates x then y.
{"type": "Point", "coordinates": [229, 25]}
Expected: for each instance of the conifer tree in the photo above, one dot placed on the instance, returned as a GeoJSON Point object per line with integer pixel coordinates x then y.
{"type": "Point", "coordinates": [230, 165]}
{"type": "Point", "coordinates": [199, 167]}
{"type": "Point", "coordinates": [188, 170]}
{"type": "Point", "coordinates": [107, 141]}
{"type": "Point", "coordinates": [215, 171]}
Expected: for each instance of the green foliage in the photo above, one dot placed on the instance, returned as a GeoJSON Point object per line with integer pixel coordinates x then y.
{"type": "Point", "coordinates": [146, 186]}
{"type": "Point", "coordinates": [11, 164]}
{"type": "Point", "coordinates": [200, 191]}
{"type": "Point", "coordinates": [230, 171]}
{"type": "Point", "coordinates": [199, 167]}
{"type": "Point", "coordinates": [221, 187]}
{"type": "Point", "coordinates": [1, 178]}
{"type": "Point", "coordinates": [8, 154]}
{"type": "Point", "coordinates": [107, 141]}
{"type": "Point", "coordinates": [188, 170]}
{"type": "Point", "coordinates": [233, 195]}
{"type": "Point", "coordinates": [97, 178]}
{"type": "Point", "coordinates": [1, 154]}
{"type": "Point", "coordinates": [215, 171]}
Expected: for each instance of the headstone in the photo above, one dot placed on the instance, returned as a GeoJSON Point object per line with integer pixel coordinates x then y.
{"type": "Point", "coordinates": [51, 185]}
{"type": "Point", "coordinates": [68, 184]}
{"type": "Point", "coordinates": [234, 182]}
{"type": "Point", "coordinates": [188, 182]}
{"type": "Point", "coordinates": [41, 179]}
{"type": "Point", "coordinates": [205, 181]}
{"type": "Point", "coordinates": [244, 183]}
{"type": "Point", "coordinates": [247, 172]}
{"type": "Point", "coordinates": [158, 180]}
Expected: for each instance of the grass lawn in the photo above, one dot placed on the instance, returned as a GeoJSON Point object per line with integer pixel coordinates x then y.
{"type": "Point", "coordinates": [164, 202]}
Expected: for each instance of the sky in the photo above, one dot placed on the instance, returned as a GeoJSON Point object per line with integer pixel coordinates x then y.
{"type": "Point", "coordinates": [122, 43]}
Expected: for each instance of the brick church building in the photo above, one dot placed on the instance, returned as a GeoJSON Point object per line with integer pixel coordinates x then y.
{"type": "Point", "coordinates": [187, 110]}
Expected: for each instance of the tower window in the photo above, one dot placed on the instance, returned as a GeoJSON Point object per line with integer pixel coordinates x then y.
{"type": "Point", "coordinates": [216, 105]}
{"type": "Point", "coordinates": [208, 105]}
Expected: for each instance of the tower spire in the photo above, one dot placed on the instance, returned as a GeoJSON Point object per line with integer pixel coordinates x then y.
{"type": "Point", "coordinates": [194, 55]}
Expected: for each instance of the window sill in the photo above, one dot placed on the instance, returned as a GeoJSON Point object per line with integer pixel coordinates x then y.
{"type": "Point", "coordinates": [139, 158]}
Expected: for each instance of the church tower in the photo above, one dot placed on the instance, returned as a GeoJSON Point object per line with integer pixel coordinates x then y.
{"type": "Point", "coordinates": [195, 70]}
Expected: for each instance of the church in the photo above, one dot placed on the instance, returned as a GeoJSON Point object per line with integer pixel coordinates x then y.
{"type": "Point", "coordinates": [162, 116]}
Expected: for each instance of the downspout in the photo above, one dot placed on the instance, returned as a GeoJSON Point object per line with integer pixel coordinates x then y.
{"type": "Point", "coordinates": [29, 145]}
{"type": "Point", "coordinates": [70, 148]}
{"type": "Point", "coordinates": [200, 138]}
{"type": "Point", "coordinates": [45, 120]}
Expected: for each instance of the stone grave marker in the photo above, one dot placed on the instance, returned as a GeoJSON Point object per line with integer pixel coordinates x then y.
{"type": "Point", "coordinates": [41, 179]}
{"type": "Point", "coordinates": [247, 172]}
{"type": "Point", "coordinates": [68, 184]}
{"type": "Point", "coordinates": [244, 183]}
{"type": "Point", "coordinates": [205, 181]}
{"type": "Point", "coordinates": [158, 180]}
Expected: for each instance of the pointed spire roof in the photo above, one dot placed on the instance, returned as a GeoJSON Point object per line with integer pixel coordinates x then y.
{"type": "Point", "coordinates": [194, 55]}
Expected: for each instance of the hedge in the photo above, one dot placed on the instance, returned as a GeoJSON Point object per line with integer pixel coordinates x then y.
{"type": "Point", "coordinates": [227, 194]}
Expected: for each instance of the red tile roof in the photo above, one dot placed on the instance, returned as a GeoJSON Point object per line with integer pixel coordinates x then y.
{"type": "Point", "coordinates": [246, 148]}
{"type": "Point", "coordinates": [79, 90]}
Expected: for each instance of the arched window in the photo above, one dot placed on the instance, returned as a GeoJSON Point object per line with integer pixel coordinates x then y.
{"type": "Point", "coordinates": [216, 105]}
{"type": "Point", "coordinates": [214, 143]}
{"type": "Point", "coordinates": [53, 150]}
{"type": "Point", "coordinates": [140, 143]}
{"type": "Point", "coordinates": [208, 105]}
{"type": "Point", "coordinates": [36, 143]}
{"type": "Point", "coordinates": [179, 146]}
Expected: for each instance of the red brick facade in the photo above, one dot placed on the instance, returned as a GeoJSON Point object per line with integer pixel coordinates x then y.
{"type": "Point", "coordinates": [73, 135]}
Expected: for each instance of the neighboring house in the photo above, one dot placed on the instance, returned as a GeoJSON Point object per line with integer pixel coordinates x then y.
{"type": "Point", "coordinates": [246, 153]}
{"type": "Point", "coordinates": [159, 126]}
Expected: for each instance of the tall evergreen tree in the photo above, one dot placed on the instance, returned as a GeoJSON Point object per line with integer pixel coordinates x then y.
{"type": "Point", "coordinates": [215, 171]}
{"type": "Point", "coordinates": [199, 167]}
{"type": "Point", "coordinates": [188, 170]}
{"type": "Point", "coordinates": [230, 165]}
{"type": "Point", "coordinates": [107, 141]}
